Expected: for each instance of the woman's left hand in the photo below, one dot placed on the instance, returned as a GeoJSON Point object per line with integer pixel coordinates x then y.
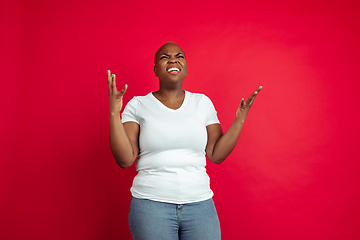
{"type": "Point", "coordinates": [245, 105]}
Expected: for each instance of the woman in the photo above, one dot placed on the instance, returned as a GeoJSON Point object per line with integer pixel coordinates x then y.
{"type": "Point", "coordinates": [170, 131]}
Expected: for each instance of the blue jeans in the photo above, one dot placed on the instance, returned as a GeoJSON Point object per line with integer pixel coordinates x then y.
{"type": "Point", "coordinates": [152, 220]}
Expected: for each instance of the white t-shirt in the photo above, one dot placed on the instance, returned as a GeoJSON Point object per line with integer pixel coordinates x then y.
{"type": "Point", "coordinates": [171, 162]}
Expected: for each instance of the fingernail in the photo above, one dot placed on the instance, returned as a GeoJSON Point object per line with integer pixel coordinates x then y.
{"type": "Point", "coordinates": [113, 75]}
{"type": "Point", "coordinates": [242, 99]}
{"type": "Point", "coordinates": [260, 87]}
{"type": "Point", "coordinates": [125, 85]}
{"type": "Point", "coordinates": [108, 71]}
{"type": "Point", "coordinates": [256, 93]}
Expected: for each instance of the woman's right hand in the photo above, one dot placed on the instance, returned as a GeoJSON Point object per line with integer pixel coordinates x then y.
{"type": "Point", "coordinates": [115, 96]}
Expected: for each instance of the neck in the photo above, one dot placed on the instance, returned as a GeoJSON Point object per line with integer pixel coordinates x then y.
{"type": "Point", "coordinates": [171, 98]}
{"type": "Point", "coordinates": [170, 94]}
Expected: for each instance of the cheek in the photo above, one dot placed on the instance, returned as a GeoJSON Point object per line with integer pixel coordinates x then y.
{"type": "Point", "coordinates": [185, 67]}
{"type": "Point", "coordinates": [158, 68]}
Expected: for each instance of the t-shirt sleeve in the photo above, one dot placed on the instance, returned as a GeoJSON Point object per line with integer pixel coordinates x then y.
{"type": "Point", "coordinates": [129, 113]}
{"type": "Point", "coordinates": [211, 114]}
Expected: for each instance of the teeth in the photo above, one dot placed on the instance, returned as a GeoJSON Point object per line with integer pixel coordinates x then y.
{"type": "Point", "coordinates": [173, 69]}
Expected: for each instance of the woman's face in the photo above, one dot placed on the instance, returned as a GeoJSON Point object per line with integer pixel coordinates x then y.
{"type": "Point", "coordinates": [170, 63]}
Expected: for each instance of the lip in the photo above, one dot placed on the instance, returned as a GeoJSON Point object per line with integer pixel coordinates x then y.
{"type": "Point", "coordinates": [173, 66]}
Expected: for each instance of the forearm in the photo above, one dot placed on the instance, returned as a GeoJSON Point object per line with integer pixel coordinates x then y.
{"type": "Point", "coordinates": [121, 147]}
{"type": "Point", "coordinates": [227, 142]}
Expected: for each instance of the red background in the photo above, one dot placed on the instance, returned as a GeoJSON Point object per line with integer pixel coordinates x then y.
{"type": "Point", "coordinates": [295, 171]}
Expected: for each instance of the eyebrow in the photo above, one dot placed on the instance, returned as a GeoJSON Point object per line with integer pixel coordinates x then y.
{"type": "Point", "coordinates": [177, 54]}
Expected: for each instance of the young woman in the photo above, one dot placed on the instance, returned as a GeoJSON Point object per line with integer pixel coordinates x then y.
{"type": "Point", "coordinates": [169, 132]}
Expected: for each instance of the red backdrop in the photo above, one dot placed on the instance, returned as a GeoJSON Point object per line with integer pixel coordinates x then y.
{"type": "Point", "coordinates": [295, 171]}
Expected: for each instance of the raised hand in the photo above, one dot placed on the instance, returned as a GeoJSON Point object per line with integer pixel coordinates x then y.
{"type": "Point", "coordinates": [245, 105]}
{"type": "Point", "coordinates": [115, 96]}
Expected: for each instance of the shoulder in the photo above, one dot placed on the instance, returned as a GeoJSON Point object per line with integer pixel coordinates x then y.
{"type": "Point", "coordinates": [137, 100]}
{"type": "Point", "coordinates": [198, 97]}
{"type": "Point", "coordinates": [135, 106]}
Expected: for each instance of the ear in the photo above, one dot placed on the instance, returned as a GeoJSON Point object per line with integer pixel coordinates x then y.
{"type": "Point", "coordinates": [155, 72]}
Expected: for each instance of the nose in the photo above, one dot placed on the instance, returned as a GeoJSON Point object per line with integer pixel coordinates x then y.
{"type": "Point", "coordinates": [172, 59]}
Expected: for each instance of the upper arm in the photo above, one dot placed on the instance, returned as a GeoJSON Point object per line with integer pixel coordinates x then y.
{"type": "Point", "coordinates": [132, 130]}
{"type": "Point", "coordinates": [214, 132]}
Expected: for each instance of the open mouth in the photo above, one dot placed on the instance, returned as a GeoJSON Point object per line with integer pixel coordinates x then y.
{"type": "Point", "coordinates": [173, 70]}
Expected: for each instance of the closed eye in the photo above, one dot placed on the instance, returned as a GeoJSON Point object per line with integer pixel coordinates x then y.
{"type": "Point", "coordinates": [179, 55]}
